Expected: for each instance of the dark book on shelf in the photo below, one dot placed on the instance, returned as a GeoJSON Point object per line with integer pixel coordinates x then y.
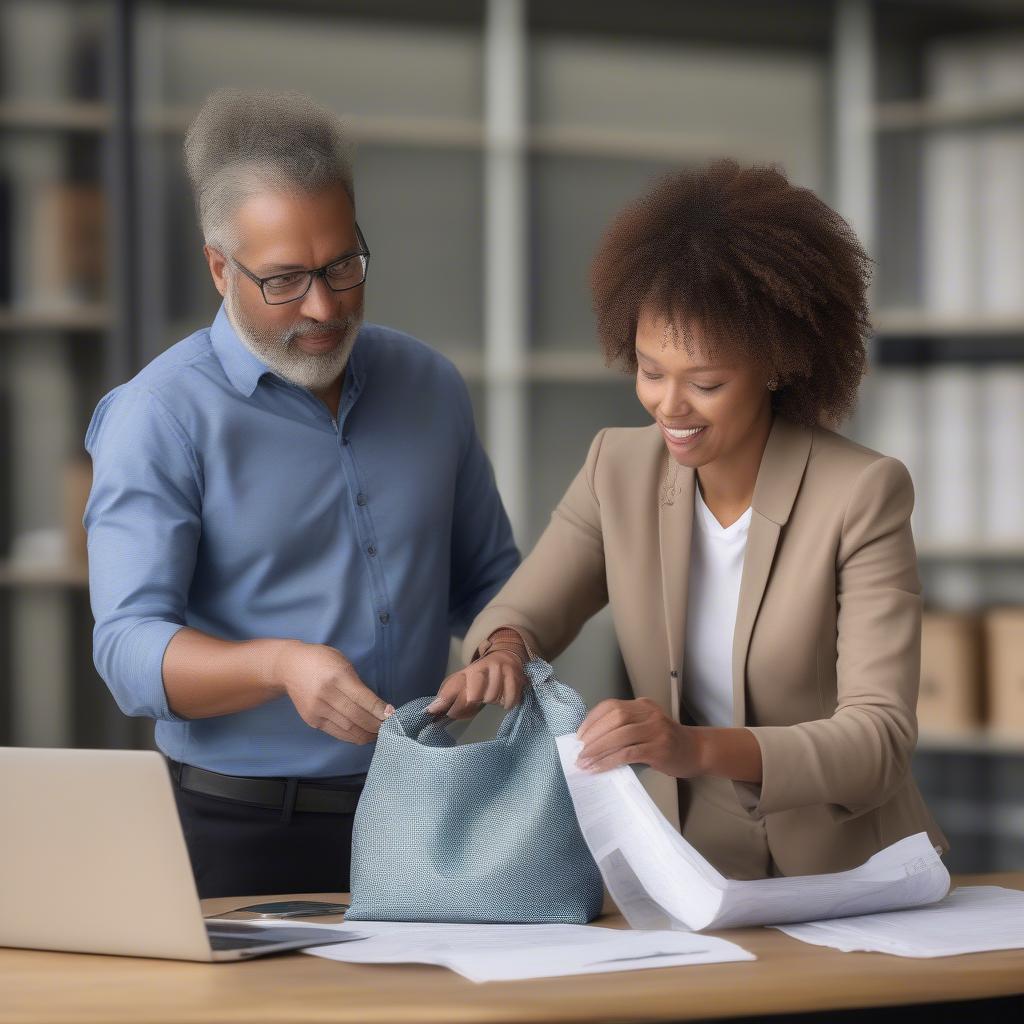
{"type": "Point", "coordinates": [6, 467]}
{"type": "Point", "coordinates": [6, 239]}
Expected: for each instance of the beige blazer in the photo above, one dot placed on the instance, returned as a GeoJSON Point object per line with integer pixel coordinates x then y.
{"type": "Point", "coordinates": [826, 650]}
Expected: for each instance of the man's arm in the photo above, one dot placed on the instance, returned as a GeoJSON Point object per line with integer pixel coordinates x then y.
{"type": "Point", "coordinates": [144, 522]}
{"type": "Point", "coordinates": [204, 677]}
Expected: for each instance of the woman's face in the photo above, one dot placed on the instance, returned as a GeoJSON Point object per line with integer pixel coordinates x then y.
{"type": "Point", "coordinates": [707, 409]}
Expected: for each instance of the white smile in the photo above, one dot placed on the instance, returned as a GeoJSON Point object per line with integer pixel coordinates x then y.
{"type": "Point", "coordinates": [682, 435]}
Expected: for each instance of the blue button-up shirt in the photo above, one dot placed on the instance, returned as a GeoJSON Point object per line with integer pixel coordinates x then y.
{"type": "Point", "coordinates": [228, 499]}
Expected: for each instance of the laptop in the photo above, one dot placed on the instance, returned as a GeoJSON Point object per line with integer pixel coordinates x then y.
{"type": "Point", "coordinates": [93, 860]}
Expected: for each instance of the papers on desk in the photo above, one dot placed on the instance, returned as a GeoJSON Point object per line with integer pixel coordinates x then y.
{"type": "Point", "coordinates": [658, 880]}
{"type": "Point", "coordinates": [503, 952]}
{"type": "Point", "coordinates": [971, 919]}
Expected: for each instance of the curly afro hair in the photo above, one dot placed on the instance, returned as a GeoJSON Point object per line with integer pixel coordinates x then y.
{"type": "Point", "coordinates": [764, 269]}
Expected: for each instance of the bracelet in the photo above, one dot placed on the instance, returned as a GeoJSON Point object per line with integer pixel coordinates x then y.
{"type": "Point", "coordinates": [500, 645]}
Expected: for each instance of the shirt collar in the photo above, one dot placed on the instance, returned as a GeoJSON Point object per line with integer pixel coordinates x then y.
{"type": "Point", "coordinates": [241, 366]}
{"type": "Point", "coordinates": [244, 368]}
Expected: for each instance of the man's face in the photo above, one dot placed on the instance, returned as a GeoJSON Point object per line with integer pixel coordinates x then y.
{"type": "Point", "coordinates": [307, 341]}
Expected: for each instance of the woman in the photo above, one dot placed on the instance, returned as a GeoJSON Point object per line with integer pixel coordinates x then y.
{"type": "Point", "coordinates": [760, 568]}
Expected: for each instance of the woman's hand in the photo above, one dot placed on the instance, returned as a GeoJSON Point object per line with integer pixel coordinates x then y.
{"type": "Point", "coordinates": [620, 732]}
{"type": "Point", "coordinates": [496, 678]}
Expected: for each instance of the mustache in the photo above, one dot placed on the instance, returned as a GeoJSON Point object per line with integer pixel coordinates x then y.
{"type": "Point", "coordinates": [321, 329]}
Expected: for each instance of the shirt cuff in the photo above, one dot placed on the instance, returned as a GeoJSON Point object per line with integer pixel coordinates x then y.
{"type": "Point", "coordinates": [750, 794]}
{"type": "Point", "coordinates": [495, 641]}
{"type": "Point", "coordinates": [141, 667]}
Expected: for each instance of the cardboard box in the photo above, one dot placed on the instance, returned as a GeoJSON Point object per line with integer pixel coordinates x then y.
{"type": "Point", "coordinates": [68, 255]}
{"type": "Point", "coordinates": [1004, 629]}
{"type": "Point", "coordinates": [77, 484]}
{"type": "Point", "coordinates": [951, 694]}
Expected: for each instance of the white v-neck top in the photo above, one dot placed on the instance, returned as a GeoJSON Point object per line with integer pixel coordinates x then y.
{"type": "Point", "coordinates": [716, 567]}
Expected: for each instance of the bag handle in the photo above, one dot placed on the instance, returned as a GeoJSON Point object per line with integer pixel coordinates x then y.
{"type": "Point", "coordinates": [559, 707]}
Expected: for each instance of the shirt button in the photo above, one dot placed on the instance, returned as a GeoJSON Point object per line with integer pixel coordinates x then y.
{"type": "Point", "coordinates": [384, 618]}
{"type": "Point", "coordinates": [360, 500]}
{"type": "Point", "coordinates": [344, 439]}
{"type": "Point", "coordinates": [371, 551]}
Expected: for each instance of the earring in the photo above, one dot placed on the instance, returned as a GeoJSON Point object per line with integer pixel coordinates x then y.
{"type": "Point", "coordinates": [773, 384]}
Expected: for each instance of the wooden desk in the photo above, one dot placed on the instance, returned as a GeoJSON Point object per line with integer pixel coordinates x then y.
{"type": "Point", "coordinates": [788, 977]}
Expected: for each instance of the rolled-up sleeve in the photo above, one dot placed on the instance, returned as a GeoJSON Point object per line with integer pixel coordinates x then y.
{"type": "Point", "coordinates": [855, 760]}
{"type": "Point", "coordinates": [143, 520]}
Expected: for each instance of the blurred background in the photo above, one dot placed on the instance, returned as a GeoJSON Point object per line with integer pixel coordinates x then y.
{"type": "Point", "coordinates": [495, 141]}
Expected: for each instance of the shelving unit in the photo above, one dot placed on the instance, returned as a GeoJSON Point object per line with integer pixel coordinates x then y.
{"type": "Point", "coordinates": [981, 741]}
{"type": "Point", "coordinates": [922, 115]}
{"type": "Point", "coordinates": [495, 140]}
{"type": "Point", "coordinates": [980, 552]}
{"type": "Point", "coordinates": [83, 116]}
{"type": "Point", "coordinates": [14, 575]}
{"type": "Point", "coordinates": [903, 323]}
{"type": "Point", "coordinates": [971, 780]}
{"type": "Point", "coordinates": [77, 319]}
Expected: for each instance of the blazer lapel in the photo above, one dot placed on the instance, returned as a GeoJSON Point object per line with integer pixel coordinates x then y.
{"type": "Point", "coordinates": [675, 526]}
{"type": "Point", "coordinates": [778, 480]}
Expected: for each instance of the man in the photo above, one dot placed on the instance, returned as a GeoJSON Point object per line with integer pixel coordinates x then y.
{"type": "Point", "coordinates": [291, 513]}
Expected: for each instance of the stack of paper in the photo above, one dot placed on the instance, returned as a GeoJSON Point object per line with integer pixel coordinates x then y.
{"type": "Point", "coordinates": [972, 919]}
{"type": "Point", "coordinates": [511, 952]}
{"type": "Point", "coordinates": [659, 880]}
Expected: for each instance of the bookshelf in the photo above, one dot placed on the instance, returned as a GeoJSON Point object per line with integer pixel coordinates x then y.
{"type": "Point", "coordinates": [76, 319]}
{"type": "Point", "coordinates": [924, 115]}
{"type": "Point", "coordinates": [979, 741]}
{"type": "Point", "coordinates": [915, 323]}
{"type": "Point", "coordinates": [72, 576]}
{"type": "Point", "coordinates": [512, 130]}
{"type": "Point", "coordinates": [945, 334]}
{"type": "Point", "coordinates": [81, 116]}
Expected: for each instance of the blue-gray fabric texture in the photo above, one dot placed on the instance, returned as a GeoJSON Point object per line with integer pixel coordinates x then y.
{"type": "Point", "coordinates": [479, 832]}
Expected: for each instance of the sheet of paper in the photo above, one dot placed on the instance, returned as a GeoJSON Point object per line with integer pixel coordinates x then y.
{"type": "Point", "coordinates": [495, 952]}
{"type": "Point", "coordinates": [658, 880]}
{"type": "Point", "coordinates": [971, 919]}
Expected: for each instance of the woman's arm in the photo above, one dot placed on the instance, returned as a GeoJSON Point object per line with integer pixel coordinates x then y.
{"type": "Point", "coordinates": [540, 609]}
{"type": "Point", "coordinates": [850, 762]}
{"type": "Point", "coordinates": [855, 760]}
{"type": "Point", "coordinates": [621, 732]}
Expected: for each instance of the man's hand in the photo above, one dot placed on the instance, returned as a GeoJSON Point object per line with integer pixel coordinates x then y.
{"type": "Point", "coordinates": [327, 691]}
{"type": "Point", "coordinates": [496, 678]}
{"type": "Point", "coordinates": [620, 732]}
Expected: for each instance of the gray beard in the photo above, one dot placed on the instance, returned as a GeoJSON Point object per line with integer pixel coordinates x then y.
{"type": "Point", "coordinates": [315, 371]}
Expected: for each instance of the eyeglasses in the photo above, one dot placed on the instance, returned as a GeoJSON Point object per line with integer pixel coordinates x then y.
{"type": "Point", "coordinates": [339, 275]}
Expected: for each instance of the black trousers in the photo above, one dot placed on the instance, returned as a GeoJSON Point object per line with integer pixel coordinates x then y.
{"type": "Point", "coordinates": [238, 849]}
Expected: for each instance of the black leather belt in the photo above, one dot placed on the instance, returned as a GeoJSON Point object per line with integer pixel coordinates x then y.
{"type": "Point", "coordinates": [286, 795]}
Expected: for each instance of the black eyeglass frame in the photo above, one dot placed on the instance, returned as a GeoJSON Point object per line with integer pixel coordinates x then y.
{"type": "Point", "coordinates": [361, 253]}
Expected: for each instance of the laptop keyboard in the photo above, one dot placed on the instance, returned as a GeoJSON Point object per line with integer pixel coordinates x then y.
{"type": "Point", "coordinates": [231, 935]}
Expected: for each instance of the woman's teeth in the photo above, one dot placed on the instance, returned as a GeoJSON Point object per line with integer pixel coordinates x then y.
{"type": "Point", "coordinates": [683, 434]}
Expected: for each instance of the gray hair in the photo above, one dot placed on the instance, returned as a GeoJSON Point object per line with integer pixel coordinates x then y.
{"type": "Point", "coordinates": [244, 142]}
